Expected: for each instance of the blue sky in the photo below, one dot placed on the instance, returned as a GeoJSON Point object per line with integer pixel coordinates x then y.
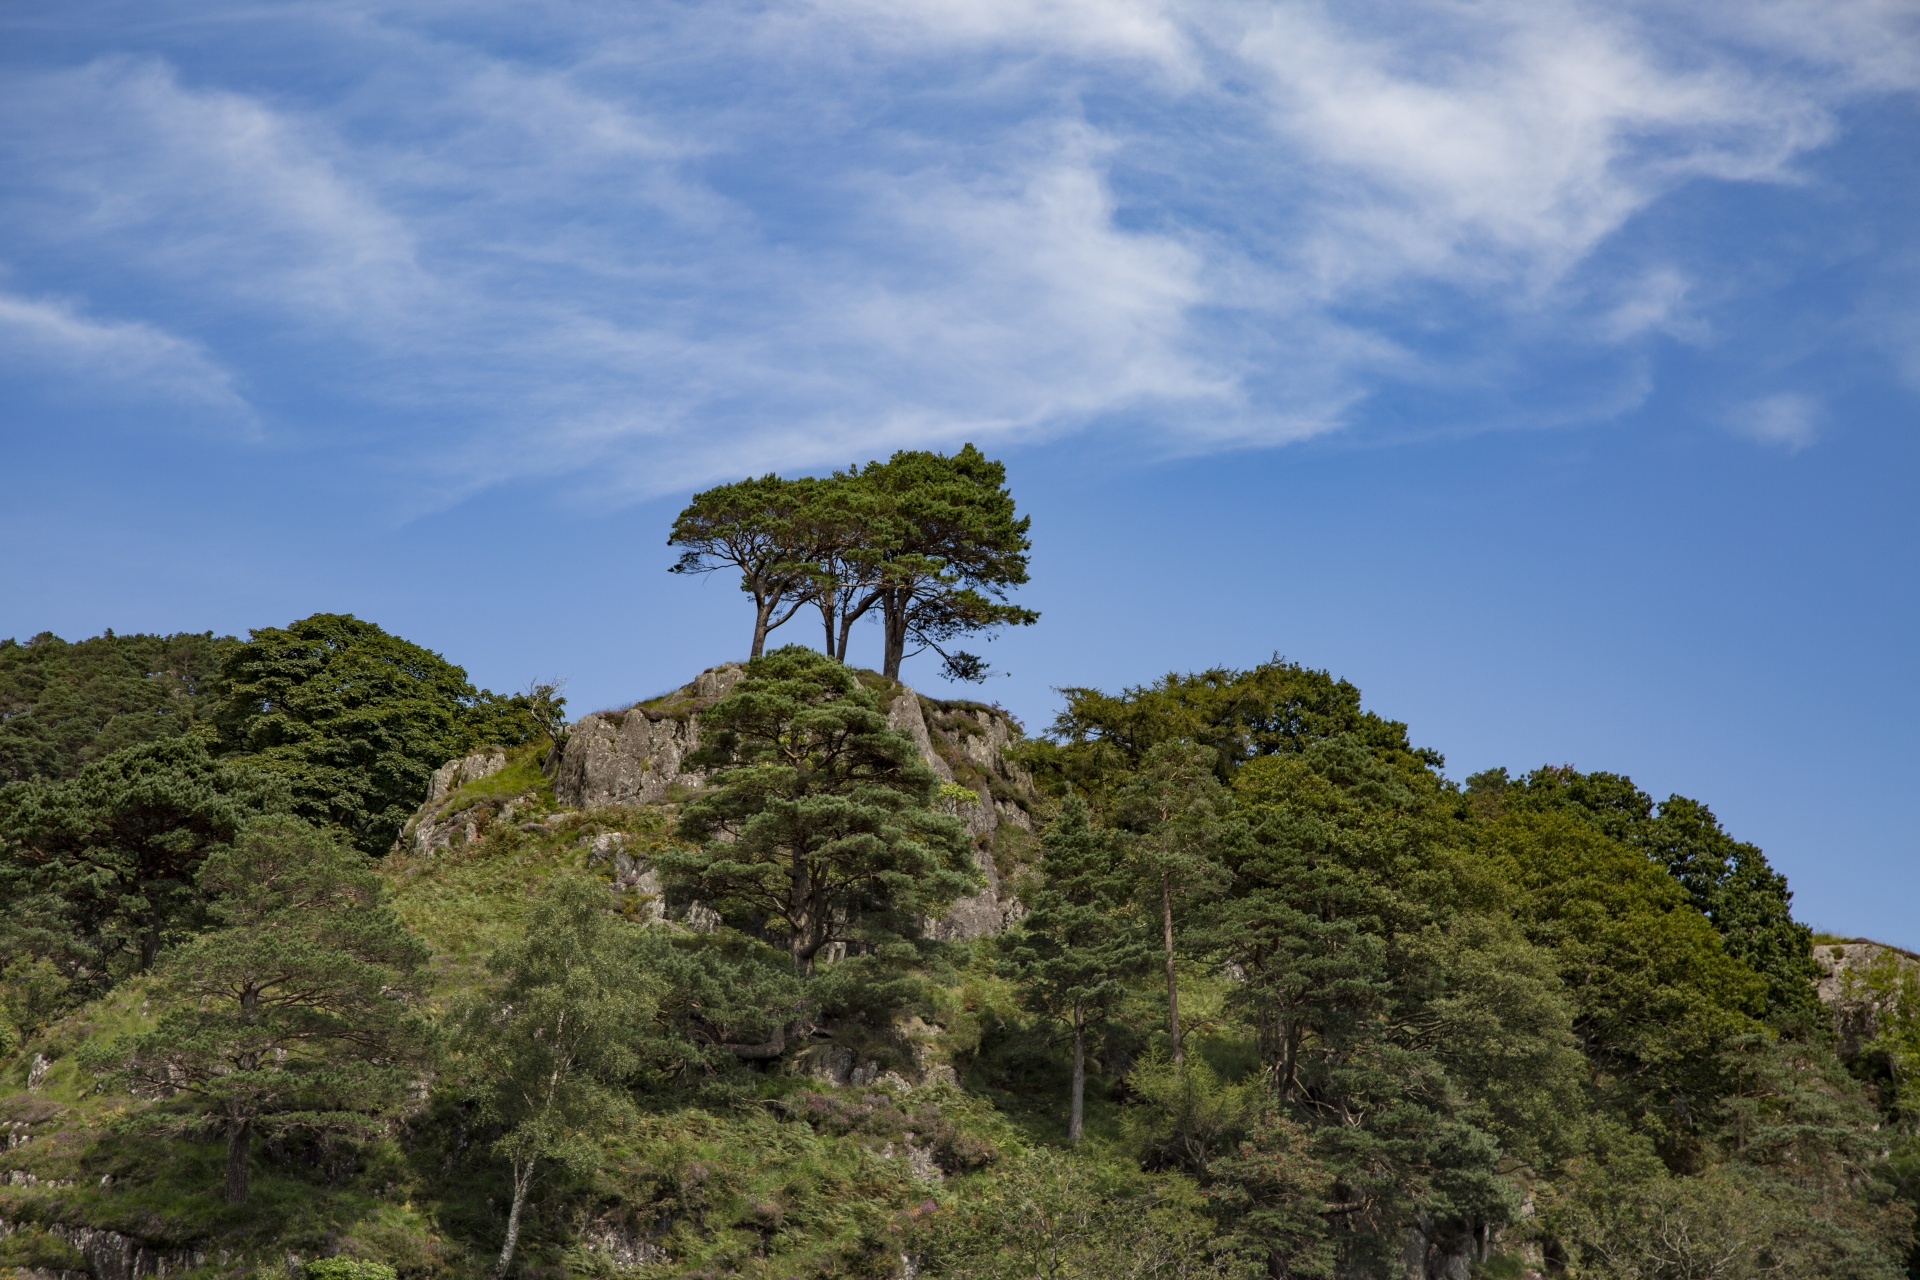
{"type": "Point", "coordinates": [1549, 369]}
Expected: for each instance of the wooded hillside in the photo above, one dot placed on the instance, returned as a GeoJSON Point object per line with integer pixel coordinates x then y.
{"type": "Point", "coordinates": [304, 963]}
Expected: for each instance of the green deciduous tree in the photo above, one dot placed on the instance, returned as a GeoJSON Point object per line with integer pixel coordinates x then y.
{"type": "Point", "coordinates": [818, 827]}
{"type": "Point", "coordinates": [551, 1045]}
{"type": "Point", "coordinates": [32, 989]}
{"type": "Point", "coordinates": [97, 871]}
{"type": "Point", "coordinates": [1655, 995]}
{"type": "Point", "coordinates": [356, 720]}
{"type": "Point", "coordinates": [1276, 708]}
{"type": "Point", "coordinates": [1073, 950]}
{"type": "Point", "coordinates": [1728, 881]}
{"type": "Point", "coordinates": [296, 1011]}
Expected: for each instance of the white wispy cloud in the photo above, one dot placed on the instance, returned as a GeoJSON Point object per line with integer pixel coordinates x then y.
{"type": "Point", "coordinates": [42, 338]}
{"type": "Point", "coordinates": [1787, 420]}
{"type": "Point", "coordinates": [661, 244]}
{"type": "Point", "coordinates": [210, 191]}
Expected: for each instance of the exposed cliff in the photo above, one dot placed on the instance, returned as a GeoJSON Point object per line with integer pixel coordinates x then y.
{"type": "Point", "coordinates": [637, 757]}
{"type": "Point", "coordinates": [1860, 980]}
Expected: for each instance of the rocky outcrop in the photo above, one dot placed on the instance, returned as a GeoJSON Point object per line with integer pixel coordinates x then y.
{"type": "Point", "coordinates": [434, 826]}
{"type": "Point", "coordinates": [637, 756]}
{"type": "Point", "coordinates": [113, 1256]}
{"type": "Point", "coordinates": [980, 755]}
{"type": "Point", "coordinates": [454, 774]}
{"type": "Point", "coordinates": [621, 1245]}
{"type": "Point", "coordinates": [1858, 978]}
{"type": "Point", "coordinates": [629, 873]}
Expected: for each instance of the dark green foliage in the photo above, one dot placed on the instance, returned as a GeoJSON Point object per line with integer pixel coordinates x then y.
{"type": "Point", "coordinates": [1748, 902]}
{"type": "Point", "coordinates": [63, 706]}
{"type": "Point", "coordinates": [929, 540]}
{"type": "Point", "coordinates": [1274, 708]}
{"type": "Point", "coordinates": [1424, 1030]}
{"type": "Point", "coordinates": [32, 991]}
{"type": "Point", "coordinates": [97, 873]}
{"type": "Point", "coordinates": [1728, 881]}
{"type": "Point", "coordinates": [1656, 997]}
{"type": "Point", "coordinates": [294, 1012]}
{"type": "Point", "coordinates": [1274, 1193]}
{"type": "Point", "coordinates": [771, 531]}
{"type": "Point", "coordinates": [724, 999]}
{"type": "Point", "coordinates": [1080, 939]}
{"type": "Point", "coordinates": [950, 547]}
{"type": "Point", "coordinates": [356, 720]}
{"type": "Point", "coordinates": [1357, 1009]}
{"type": "Point", "coordinates": [1179, 826]}
{"type": "Point", "coordinates": [818, 827]}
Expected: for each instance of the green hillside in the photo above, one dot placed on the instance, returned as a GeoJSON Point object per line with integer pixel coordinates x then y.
{"type": "Point", "coordinates": [1329, 1012]}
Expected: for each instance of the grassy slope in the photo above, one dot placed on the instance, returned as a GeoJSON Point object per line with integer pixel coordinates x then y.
{"type": "Point", "coordinates": [795, 1178]}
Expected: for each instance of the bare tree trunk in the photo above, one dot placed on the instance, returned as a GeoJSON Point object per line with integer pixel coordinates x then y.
{"type": "Point", "coordinates": [896, 619]}
{"type": "Point", "coordinates": [1076, 1113]}
{"type": "Point", "coordinates": [239, 1143]}
{"type": "Point", "coordinates": [851, 613]}
{"type": "Point", "coordinates": [763, 609]}
{"type": "Point", "coordinates": [826, 619]}
{"type": "Point", "coordinates": [522, 1180]}
{"type": "Point", "coordinates": [1173, 989]}
{"type": "Point", "coordinates": [847, 620]}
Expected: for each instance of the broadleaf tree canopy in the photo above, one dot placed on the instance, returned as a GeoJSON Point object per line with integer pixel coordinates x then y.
{"type": "Point", "coordinates": [356, 720]}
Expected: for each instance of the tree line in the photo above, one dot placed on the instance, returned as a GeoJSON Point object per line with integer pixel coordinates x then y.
{"type": "Point", "coordinates": [1285, 1001]}
{"type": "Point", "coordinates": [928, 543]}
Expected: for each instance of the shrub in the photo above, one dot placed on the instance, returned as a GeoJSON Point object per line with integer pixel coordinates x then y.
{"type": "Point", "coordinates": [349, 1269]}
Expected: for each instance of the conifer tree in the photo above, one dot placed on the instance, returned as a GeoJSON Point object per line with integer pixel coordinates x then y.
{"type": "Point", "coordinates": [818, 828]}
{"type": "Point", "coordinates": [297, 1012]}
{"type": "Point", "coordinates": [1180, 818]}
{"type": "Point", "coordinates": [769, 530]}
{"type": "Point", "coordinates": [97, 871]}
{"type": "Point", "coordinates": [952, 548]}
{"type": "Point", "coordinates": [1077, 942]}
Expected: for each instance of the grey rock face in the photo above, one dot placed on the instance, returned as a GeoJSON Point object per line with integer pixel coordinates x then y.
{"type": "Point", "coordinates": [620, 1245]}
{"type": "Point", "coordinates": [454, 774]}
{"type": "Point", "coordinates": [992, 908]}
{"type": "Point", "coordinates": [1855, 977]}
{"type": "Point", "coordinates": [637, 756]}
{"type": "Point", "coordinates": [629, 872]}
{"type": "Point", "coordinates": [429, 829]}
{"type": "Point", "coordinates": [112, 1256]}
